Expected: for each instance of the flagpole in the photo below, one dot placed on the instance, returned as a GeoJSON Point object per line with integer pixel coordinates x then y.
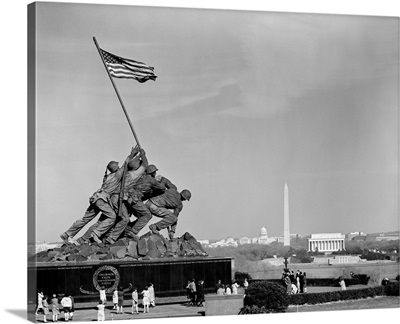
{"type": "Point", "coordinates": [116, 91]}
{"type": "Point", "coordinates": [121, 194]}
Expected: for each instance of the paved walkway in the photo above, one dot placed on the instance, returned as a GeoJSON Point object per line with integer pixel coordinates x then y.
{"type": "Point", "coordinates": [161, 311]}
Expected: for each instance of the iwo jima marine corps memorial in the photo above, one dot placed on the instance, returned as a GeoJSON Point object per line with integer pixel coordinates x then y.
{"type": "Point", "coordinates": [117, 251]}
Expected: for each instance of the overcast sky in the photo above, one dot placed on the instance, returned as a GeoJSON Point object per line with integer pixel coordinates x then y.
{"type": "Point", "coordinates": [244, 102]}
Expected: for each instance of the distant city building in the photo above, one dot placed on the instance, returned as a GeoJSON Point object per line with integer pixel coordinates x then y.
{"type": "Point", "coordinates": [356, 236]}
{"type": "Point", "coordinates": [254, 240]}
{"type": "Point", "coordinates": [387, 237]}
{"type": "Point", "coordinates": [286, 226]}
{"type": "Point", "coordinates": [337, 259]}
{"type": "Point", "coordinates": [261, 239]}
{"type": "Point", "coordinates": [326, 242]}
{"type": "Point", "coordinates": [244, 240]}
{"type": "Point", "coordinates": [277, 262]}
{"type": "Point", "coordinates": [230, 241]}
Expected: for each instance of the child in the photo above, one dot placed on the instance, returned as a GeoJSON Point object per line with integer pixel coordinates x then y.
{"type": "Point", "coordinates": [66, 303]}
{"type": "Point", "coordinates": [115, 298]}
{"type": "Point", "coordinates": [101, 316]}
{"type": "Point", "coordinates": [45, 308]}
{"type": "Point", "coordinates": [55, 308]}
{"type": "Point", "coordinates": [135, 301]}
{"type": "Point", "coordinates": [103, 296]}
{"type": "Point", "coordinates": [146, 299]}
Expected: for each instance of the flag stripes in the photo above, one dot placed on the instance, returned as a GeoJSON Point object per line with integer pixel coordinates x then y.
{"type": "Point", "coordinates": [120, 67]}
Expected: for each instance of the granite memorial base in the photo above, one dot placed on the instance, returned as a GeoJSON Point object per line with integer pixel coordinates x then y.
{"type": "Point", "coordinates": [82, 280]}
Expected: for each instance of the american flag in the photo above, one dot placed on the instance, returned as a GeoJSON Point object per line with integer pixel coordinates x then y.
{"type": "Point", "coordinates": [120, 67]}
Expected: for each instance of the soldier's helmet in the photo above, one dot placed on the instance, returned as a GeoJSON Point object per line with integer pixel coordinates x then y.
{"type": "Point", "coordinates": [186, 194]}
{"type": "Point", "coordinates": [112, 166]}
{"type": "Point", "coordinates": [151, 168]}
{"type": "Point", "coordinates": [133, 164]}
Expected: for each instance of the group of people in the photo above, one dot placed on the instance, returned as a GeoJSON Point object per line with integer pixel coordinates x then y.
{"type": "Point", "coordinates": [55, 307]}
{"type": "Point", "coordinates": [228, 289]}
{"type": "Point", "coordinates": [132, 189]}
{"type": "Point", "coordinates": [118, 300]}
{"type": "Point", "coordinates": [295, 282]}
{"type": "Point", "coordinates": [195, 292]}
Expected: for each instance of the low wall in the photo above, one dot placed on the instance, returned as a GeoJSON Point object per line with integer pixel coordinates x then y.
{"type": "Point", "coordinates": [83, 279]}
{"type": "Point", "coordinates": [223, 305]}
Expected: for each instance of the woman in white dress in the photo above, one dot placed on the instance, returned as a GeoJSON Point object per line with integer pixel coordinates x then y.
{"type": "Point", "coordinates": [146, 299]}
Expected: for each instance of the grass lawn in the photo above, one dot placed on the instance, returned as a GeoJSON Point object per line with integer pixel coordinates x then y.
{"type": "Point", "coordinates": [367, 303]}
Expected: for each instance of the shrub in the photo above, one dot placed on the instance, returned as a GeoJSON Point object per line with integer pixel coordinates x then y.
{"type": "Point", "coordinates": [392, 288]}
{"type": "Point", "coordinates": [240, 276]}
{"type": "Point", "coordinates": [265, 297]}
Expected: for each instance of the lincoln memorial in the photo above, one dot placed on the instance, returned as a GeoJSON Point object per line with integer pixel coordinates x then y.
{"type": "Point", "coordinates": [327, 242]}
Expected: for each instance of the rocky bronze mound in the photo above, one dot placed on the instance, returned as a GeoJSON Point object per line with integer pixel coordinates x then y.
{"type": "Point", "coordinates": [149, 246]}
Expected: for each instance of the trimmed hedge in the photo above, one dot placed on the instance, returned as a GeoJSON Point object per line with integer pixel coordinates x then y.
{"type": "Point", "coordinates": [267, 297]}
{"type": "Point", "coordinates": [323, 282]}
{"type": "Point", "coordinates": [391, 289]}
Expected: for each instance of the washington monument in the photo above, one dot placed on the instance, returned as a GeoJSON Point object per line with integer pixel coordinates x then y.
{"type": "Point", "coordinates": [286, 230]}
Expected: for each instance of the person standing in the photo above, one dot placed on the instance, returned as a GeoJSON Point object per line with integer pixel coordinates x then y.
{"type": "Point", "coordinates": [55, 308]}
{"type": "Point", "coordinates": [292, 277]}
{"type": "Point", "coordinates": [200, 293]}
{"type": "Point", "coordinates": [298, 282]}
{"type": "Point", "coordinates": [115, 298]}
{"type": "Point", "coordinates": [135, 301]}
{"type": "Point", "coordinates": [71, 314]}
{"type": "Point", "coordinates": [288, 283]}
{"type": "Point", "coordinates": [188, 292]}
{"type": "Point", "coordinates": [103, 296]}
{"type": "Point", "coordinates": [146, 300]}
{"type": "Point", "coordinates": [120, 300]}
{"type": "Point", "coordinates": [228, 290]}
{"type": "Point", "coordinates": [218, 285]}
{"type": "Point", "coordinates": [305, 282]}
{"type": "Point", "coordinates": [301, 280]}
{"type": "Point", "coordinates": [152, 296]}
{"type": "Point", "coordinates": [101, 316]}
{"type": "Point", "coordinates": [45, 305]}
{"type": "Point", "coordinates": [342, 283]}
{"type": "Point", "coordinates": [235, 287]}
{"type": "Point", "coordinates": [193, 292]}
{"type": "Point", "coordinates": [39, 302]}
{"type": "Point", "coordinates": [245, 284]}
{"type": "Point", "coordinates": [66, 303]}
